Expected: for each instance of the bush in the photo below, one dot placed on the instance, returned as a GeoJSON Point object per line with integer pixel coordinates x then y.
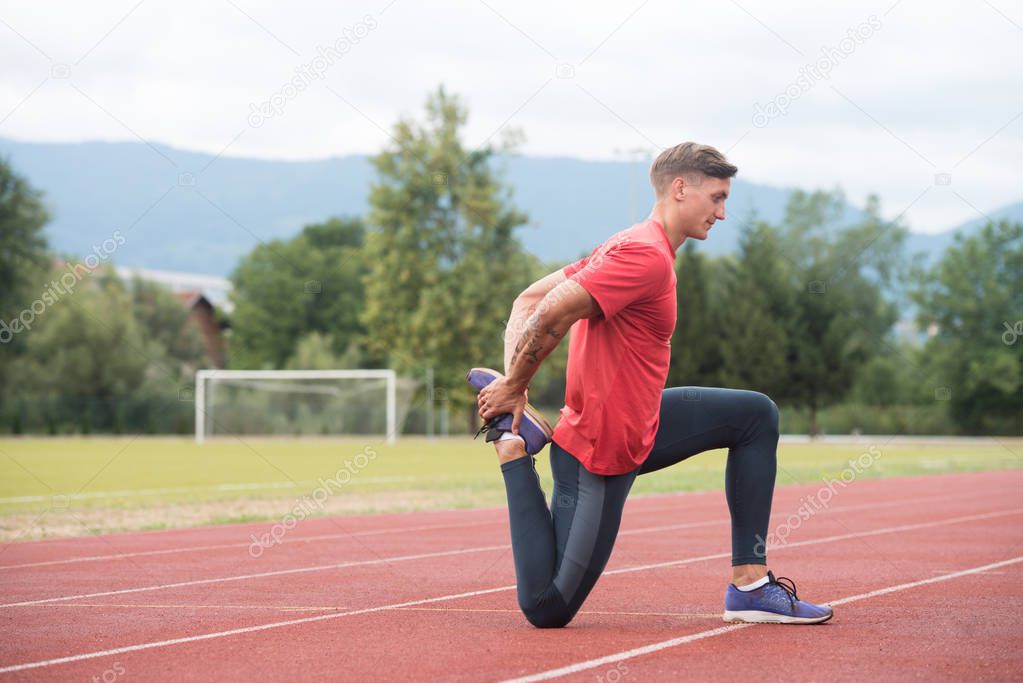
{"type": "Point", "coordinates": [915, 420]}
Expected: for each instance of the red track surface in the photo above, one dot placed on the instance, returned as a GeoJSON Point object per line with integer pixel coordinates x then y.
{"type": "Point", "coordinates": [428, 595]}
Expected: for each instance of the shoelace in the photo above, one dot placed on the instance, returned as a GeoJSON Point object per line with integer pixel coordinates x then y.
{"type": "Point", "coordinates": [488, 426]}
{"type": "Point", "coordinates": [789, 587]}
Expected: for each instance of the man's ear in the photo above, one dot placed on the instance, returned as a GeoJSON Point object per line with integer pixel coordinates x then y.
{"type": "Point", "coordinates": [678, 188]}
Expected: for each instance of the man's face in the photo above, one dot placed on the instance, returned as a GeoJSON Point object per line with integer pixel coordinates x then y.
{"type": "Point", "coordinates": [702, 204]}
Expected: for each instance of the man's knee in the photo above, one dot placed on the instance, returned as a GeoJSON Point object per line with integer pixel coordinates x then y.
{"type": "Point", "coordinates": [548, 615]}
{"type": "Point", "coordinates": [765, 411]}
{"type": "Point", "coordinates": [548, 610]}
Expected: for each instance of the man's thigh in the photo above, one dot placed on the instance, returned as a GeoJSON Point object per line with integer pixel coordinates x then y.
{"type": "Point", "coordinates": [698, 419]}
{"type": "Point", "coordinates": [587, 512]}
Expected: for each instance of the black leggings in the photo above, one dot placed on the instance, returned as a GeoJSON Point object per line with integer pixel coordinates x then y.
{"type": "Point", "coordinates": [561, 551]}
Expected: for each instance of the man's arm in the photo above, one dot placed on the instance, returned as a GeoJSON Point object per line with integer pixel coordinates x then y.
{"type": "Point", "coordinates": [545, 327]}
{"type": "Point", "coordinates": [525, 305]}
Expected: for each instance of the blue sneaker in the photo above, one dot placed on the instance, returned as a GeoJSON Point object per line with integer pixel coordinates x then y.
{"type": "Point", "coordinates": [533, 428]}
{"type": "Point", "coordinates": [773, 603]}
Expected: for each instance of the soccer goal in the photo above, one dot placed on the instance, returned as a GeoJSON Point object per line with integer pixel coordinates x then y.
{"type": "Point", "coordinates": [296, 403]}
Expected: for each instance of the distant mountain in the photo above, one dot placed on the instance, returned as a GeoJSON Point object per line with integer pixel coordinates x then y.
{"type": "Point", "coordinates": [575, 204]}
{"type": "Point", "coordinates": [177, 210]}
{"type": "Point", "coordinates": [187, 211]}
{"type": "Point", "coordinates": [936, 243]}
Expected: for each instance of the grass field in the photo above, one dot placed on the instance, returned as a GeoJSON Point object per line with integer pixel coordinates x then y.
{"type": "Point", "coordinates": [75, 486]}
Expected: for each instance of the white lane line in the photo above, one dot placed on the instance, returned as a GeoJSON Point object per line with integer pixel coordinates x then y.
{"type": "Point", "coordinates": [247, 486]}
{"type": "Point", "coordinates": [425, 601]}
{"type": "Point", "coordinates": [220, 546]}
{"type": "Point", "coordinates": [247, 629]}
{"type": "Point", "coordinates": [463, 551]}
{"type": "Point", "coordinates": [320, 537]}
{"type": "Point", "coordinates": [501, 520]}
{"type": "Point", "coordinates": [325, 567]}
{"type": "Point", "coordinates": [675, 642]}
{"type": "Point", "coordinates": [826, 539]}
{"type": "Point", "coordinates": [779, 514]}
{"type": "Point", "coordinates": [924, 582]}
{"type": "Point", "coordinates": [260, 575]}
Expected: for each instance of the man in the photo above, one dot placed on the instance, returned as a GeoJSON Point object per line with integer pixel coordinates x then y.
{"type": "Point", "coordinates": [617, 422]}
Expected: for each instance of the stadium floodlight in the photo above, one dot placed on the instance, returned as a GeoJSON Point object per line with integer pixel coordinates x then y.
{"type": "Point", "coordinates": [322, 402]}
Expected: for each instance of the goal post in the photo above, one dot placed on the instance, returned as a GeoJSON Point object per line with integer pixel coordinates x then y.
{"type": "Point", "coordinates": [302, 382]}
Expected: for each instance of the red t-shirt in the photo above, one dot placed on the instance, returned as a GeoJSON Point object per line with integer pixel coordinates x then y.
{"type": "Point", "coordinates": [618, 362]}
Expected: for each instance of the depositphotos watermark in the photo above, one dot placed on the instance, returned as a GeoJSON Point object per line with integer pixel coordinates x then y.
{"type": "Point", "coordinates": [814, 72]}
{"type": "Point", "coordinates": [820, 500]}
{"type": "Point", "coordinates": [110, 675]}
{"type": "Point", "coordinates": [61, 287]}
{"type": "Point", "coordinates": [614, 674]}
{"type": "Point", "coordinates": [312, 503]}
{"type": "Point", "coordinates": [310, 72]}
{"type": "Point", "coordinates": [1012, 332]}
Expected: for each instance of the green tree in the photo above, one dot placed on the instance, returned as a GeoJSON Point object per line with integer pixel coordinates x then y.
{"type": "Point", "coordinates": [23, 248]}
{"type": "Point", "coordinates": [755, 316]}
{"type": "Point", "coordinates": [842, 315]}
{"type": "Point", "coordinates": [164, 321]}
{"type": "Point", "coordinates": [23, 262]}
{"type": "Point", "coordinates": [880, 382]}
{"type": "Point", "coordinates": [315, 351]}
{"type": "Point", "coordinates": [974, 296]}
{"type": "Point", "coordinates": [444, 263]}
{"type": "Point", "coordinates": [85, 353]}
{"type": "Point", "coordinates": [695, 344]}
{"type": "Point", "coordinates": [283, 290]}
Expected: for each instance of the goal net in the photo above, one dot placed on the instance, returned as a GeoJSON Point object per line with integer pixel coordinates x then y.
{"type": "Point", "coordinates": [299, 402]}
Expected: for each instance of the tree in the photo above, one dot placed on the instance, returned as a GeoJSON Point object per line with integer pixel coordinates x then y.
{"type": "Point", "coordinates": [444, 263]}
{"type": "Point", "coordinates": [105, 356]}
{"type": "Point", "coordinates": [315, 351]}
{"type": "Point", "coordinates": [165, 321]}
{"type": "Point", "coordinates": [755, 317]}
{"type": "Point", "coordinates": [24, 261]}
{"type": "Point", "coordinates": [84, 353]}
{"type": "Point", "coordinates": [974, 296]}
{"type": "Point", "coordinates": [283, 290]}
{"type": "Point", "coordinates": [695, 344]}
{"type": "Point", "coordinates": [23, 249]}
{"type": "Point", "coordinates": [841, 313]}
{"type": "Point", "coordinates": [880, 382]}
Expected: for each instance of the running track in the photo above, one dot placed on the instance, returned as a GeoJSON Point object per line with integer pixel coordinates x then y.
{"type": "Point", "coordinates": [926, 575]}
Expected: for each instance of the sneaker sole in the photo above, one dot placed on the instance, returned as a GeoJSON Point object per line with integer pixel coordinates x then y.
{"type": "Point", "coordinates": [759, 617]}
{"type": "Point", "coordinates": [538, 419]}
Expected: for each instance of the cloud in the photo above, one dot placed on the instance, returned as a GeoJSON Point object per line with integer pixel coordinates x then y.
{"type": "Point", "coordinates": [930, 84]}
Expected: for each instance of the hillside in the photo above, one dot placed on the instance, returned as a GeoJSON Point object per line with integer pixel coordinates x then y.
{"type": "Point", "coordinates": [186, 211]}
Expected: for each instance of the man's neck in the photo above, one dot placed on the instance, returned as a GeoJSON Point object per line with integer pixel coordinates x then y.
{"type": "Point", "coordinates": [674, 233]}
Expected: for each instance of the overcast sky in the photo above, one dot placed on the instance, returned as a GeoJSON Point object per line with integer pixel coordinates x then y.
{"type": "Point", "coordinates": [884, 97]}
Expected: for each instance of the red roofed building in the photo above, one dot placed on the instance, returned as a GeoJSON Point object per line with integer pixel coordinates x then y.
{"type": "Point", "coordinates": [202, 314]}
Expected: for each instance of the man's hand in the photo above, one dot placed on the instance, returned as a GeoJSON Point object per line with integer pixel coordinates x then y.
{"type": "Point", "coordinates": [501, 397]}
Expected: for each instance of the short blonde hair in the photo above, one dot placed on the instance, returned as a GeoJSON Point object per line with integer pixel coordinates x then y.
{"type": "Point", "coordinates": [690, 160]}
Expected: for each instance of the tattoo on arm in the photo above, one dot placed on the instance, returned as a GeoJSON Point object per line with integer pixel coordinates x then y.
{"type": "Point", "coordinates": [548, 322]}
{"type": "Point", "coordinates": [529, 345]}
{"type": "Point", "coordinates": [534, 342]}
